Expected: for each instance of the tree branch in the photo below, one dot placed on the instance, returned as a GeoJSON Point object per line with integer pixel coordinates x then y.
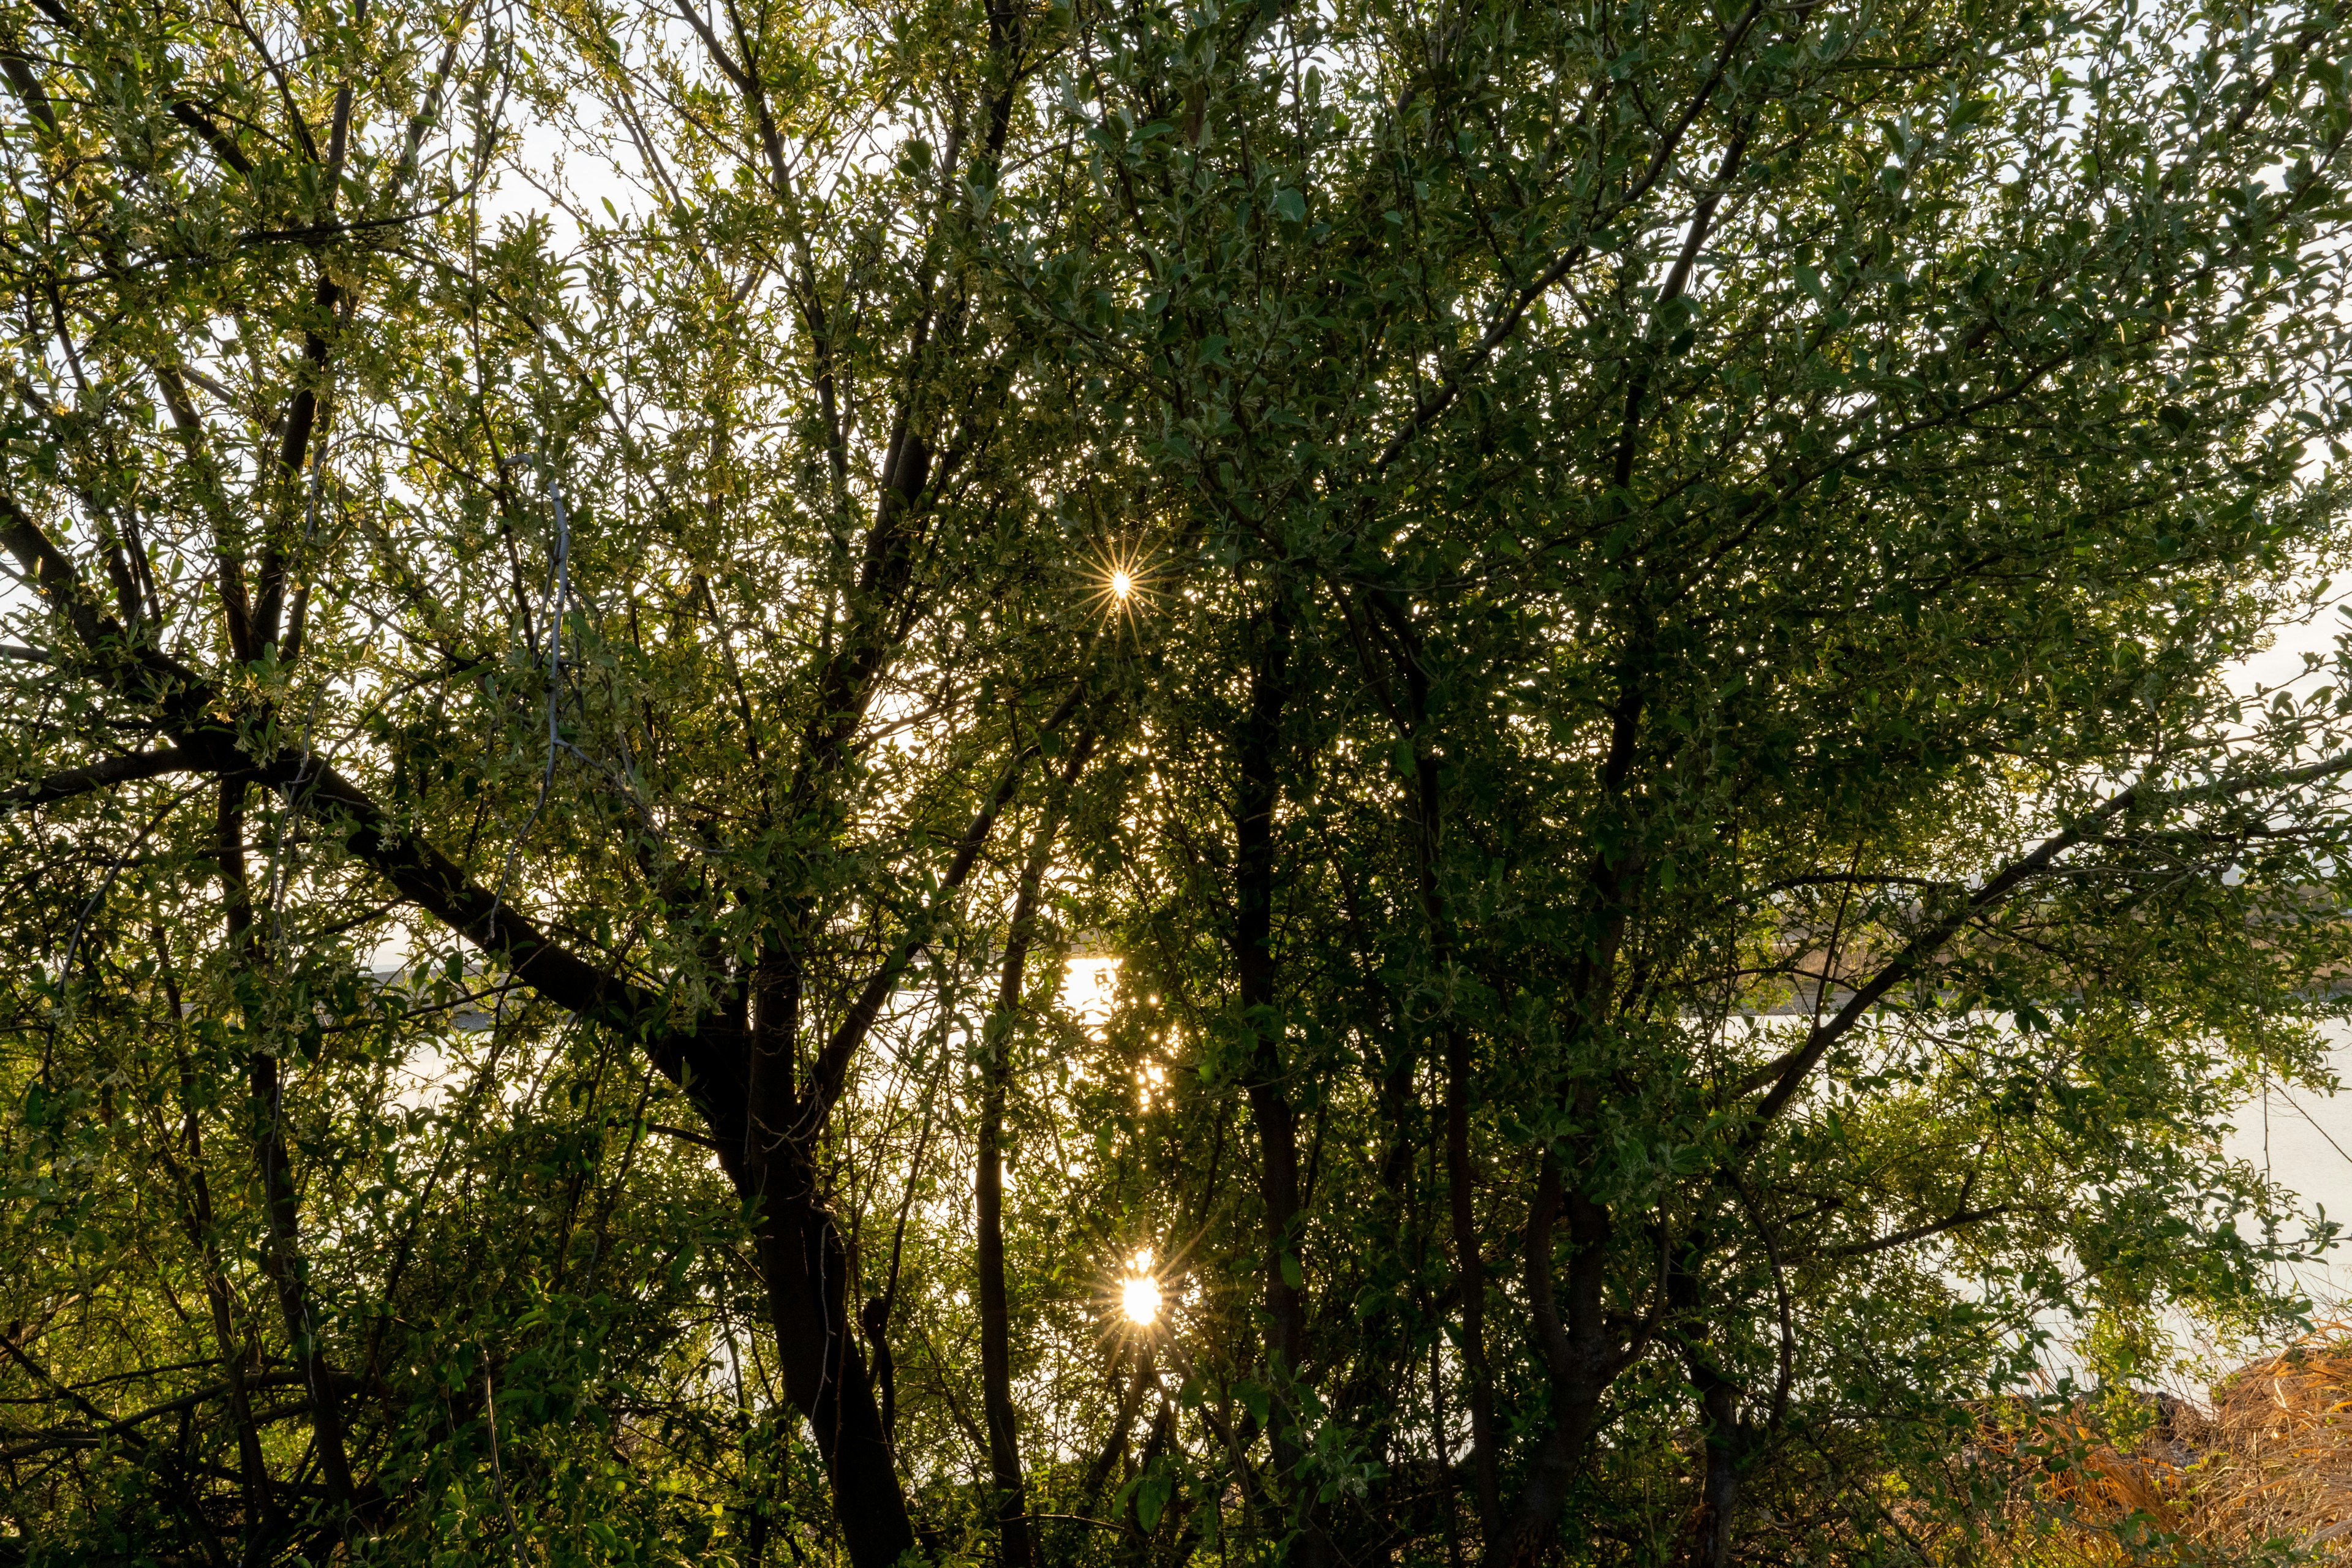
{"type": "Point", "coordinates": [422, 874]}
{"type": "Point", "coordinates": [1788, 1073]}
{"type": "Point", "coordinates": [1427, 412]}
{"type": "Point", "coordinates": [832, 1067]}
{"type": "Point", "coordinates": [1918, 1232]}
{"type": "Point", "coordinates": [98, 775]}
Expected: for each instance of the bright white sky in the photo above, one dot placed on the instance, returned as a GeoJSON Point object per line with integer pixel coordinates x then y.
{"type": "Point", "coordinates": [2305, 1139]}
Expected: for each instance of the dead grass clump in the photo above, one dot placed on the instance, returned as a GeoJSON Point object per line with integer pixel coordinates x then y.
{"type": "Point", "coordinates": [2276, 1453]}
{"type": "Point", "coordinates": [2269, 1465]}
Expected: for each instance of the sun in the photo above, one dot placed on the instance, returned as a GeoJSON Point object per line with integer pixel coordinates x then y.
{"type": "Point", "coordinates": [1121, 577]}
{"type": "Point", "coordinates": [1139, 1293]}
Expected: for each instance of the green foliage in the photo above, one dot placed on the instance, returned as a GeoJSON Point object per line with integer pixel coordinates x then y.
{"type": "Point", "coordinates": [1626, 626]}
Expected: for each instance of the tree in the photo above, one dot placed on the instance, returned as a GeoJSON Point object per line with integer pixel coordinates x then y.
{"type": "Point", "coordinates": [1623, 618]}
{"type": "Point", "coordinates": [1783, 496]}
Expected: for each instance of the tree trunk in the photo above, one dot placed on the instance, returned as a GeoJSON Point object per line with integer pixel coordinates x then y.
{"type": "Point", "coordinates": [1582, 1355]}
{"type": "Point", "coordinates": [762, 1147]}
{"type": "Point", "coordinates": [1017, 1542]}
{"type": "Point", "coordinates": [282, 1254]}
{"type": "Point", "coordinates": [1730, 1438]}
{"type": "Point", "coordinates": [1729, 1441]}
{"type": "Point", "coordinates": [807, 1269]}
{"type": "Point", "coordinates": [1277, 1122]}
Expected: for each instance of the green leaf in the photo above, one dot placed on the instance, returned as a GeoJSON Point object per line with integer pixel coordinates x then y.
{"type": "Point", "coordinates": [1151, 1496]}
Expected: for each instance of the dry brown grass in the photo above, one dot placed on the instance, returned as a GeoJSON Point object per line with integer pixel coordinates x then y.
{"type": "Point", "coordinates": [2269, 1464]}
{"type": "Point", "coordinates": [2278, 1449]}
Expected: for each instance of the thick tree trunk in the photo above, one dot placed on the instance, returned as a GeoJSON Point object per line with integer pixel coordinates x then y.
{"type": "Point", "coordinates": [1730, 1438]}
{"type": "Point", "coordinates": [805, 1266]}
{"type": "Point", "coordinates": [1729, 1441]}
{"type": "Point", "coordinates": [1527, 1536]}
{"type": "Point", "coordinates": [807, 1269]}
{"type": "Point", "coordinates": [768, 1130]}
{"type": "Point", "coordinates": [1580, 1353]}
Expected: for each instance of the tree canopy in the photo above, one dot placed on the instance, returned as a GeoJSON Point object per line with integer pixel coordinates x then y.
{"type": "Point", "coordinates": [1619, 629]}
